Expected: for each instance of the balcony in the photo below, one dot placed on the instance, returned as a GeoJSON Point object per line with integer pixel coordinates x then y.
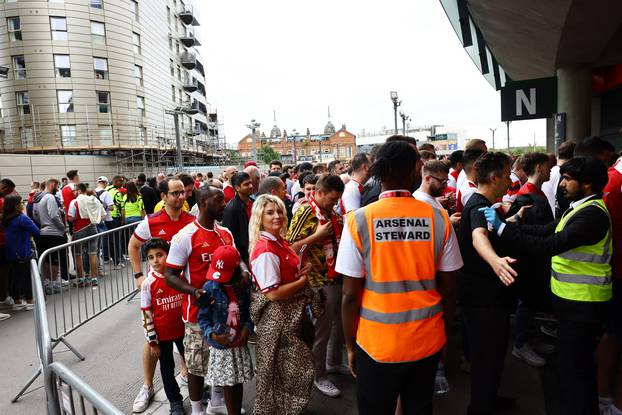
{"type": "Point", "coordinates": [188, 60]}
{"type": "Point", "coordinates": [189, 40]}
{"type": "Point", "coordinates": [190, 85]}
{"type": "Point", "coordinates": [187, 17]}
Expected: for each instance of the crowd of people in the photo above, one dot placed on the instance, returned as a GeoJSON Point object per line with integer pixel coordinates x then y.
{"type": "Point", "coordinates": [379, 255]}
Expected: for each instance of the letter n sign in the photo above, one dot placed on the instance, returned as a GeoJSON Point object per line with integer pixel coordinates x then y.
{"type": "Point", "coordinates": [530, 99]}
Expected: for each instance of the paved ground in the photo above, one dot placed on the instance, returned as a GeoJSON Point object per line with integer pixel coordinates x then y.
{"type": "Point", "coordinates": [112, 344]}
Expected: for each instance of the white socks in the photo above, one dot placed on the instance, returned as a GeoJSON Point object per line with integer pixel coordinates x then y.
{"type": "Point", "coordinates": [217, 398]}
{"type": "Point", "coordinates": [197, 407]}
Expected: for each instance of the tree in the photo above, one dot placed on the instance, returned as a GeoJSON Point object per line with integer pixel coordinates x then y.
{"type": "Point", "coordinates": [267, 154]}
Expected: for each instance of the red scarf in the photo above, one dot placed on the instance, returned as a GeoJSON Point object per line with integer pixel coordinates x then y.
{"type": "Point", "coordinates": [328, 247]}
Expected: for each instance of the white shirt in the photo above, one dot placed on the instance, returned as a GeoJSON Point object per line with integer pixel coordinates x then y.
{"type": "Point", "coordinates": [550, 188]}
{"type": "Point", "coordinates": [451, 182]}
{"type": "Point", "coordinates": [295, 188]}
{"type": "Point", "coordinates": [350, 261]}
{"type": "Point", "coordinates": [106, 199]}
{"type": "Point", "coordinates": [466, 190]}
{"type": "Point", "coordinates": [461, 178]}
{"type": "Point", "coordinates": [351, 198]}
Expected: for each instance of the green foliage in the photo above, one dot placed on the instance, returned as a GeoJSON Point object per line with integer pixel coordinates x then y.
{"type": "Point", "coordinates": [267, 154]}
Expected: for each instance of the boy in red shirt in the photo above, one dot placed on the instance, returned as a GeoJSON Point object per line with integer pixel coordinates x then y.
{"type": "Point", "coordinates": [161, 312]}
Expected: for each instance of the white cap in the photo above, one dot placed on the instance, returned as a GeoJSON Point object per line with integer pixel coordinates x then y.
{"type": "Point", "coordinates": [102, 179]}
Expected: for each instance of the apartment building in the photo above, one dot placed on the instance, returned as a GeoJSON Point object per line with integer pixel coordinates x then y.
{"type": "Point", "coordinates": [104, 77]}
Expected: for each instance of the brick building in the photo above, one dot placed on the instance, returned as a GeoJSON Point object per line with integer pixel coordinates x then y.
{"type": "Point", "coordinates": [324, 147]}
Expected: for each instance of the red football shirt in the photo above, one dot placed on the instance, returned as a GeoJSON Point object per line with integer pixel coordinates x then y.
{"type": "Point", "coordinates": [529, 188]}
{"type": "Point", "coordinates": [191, 250]}
{"type": "Point", "coordinates": [165, 304]}
{"type": "Point", "coordinates": [68, 194]}
{"type": "Point", "coordinates": [613, 200]}
{"type": "Point", "coordinates": [78, 222]}
{"type": "Point", "coordinates": [273, 262]}
{"type": "Point", "coordinates": [229, 192]}
{"type": "Point", "coordinates": [160, 225]}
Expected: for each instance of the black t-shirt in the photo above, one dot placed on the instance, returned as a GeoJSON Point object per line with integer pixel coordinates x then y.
{"type": "Point", "coordinates": [150, 198]}
{"type": "Point", "coordinates": [479, 285]}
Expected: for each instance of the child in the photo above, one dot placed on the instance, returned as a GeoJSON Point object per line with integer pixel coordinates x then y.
{"type": "Point", "coordinates": [225, 321]}
{"type": "Point", "coordinates": [161, 309]}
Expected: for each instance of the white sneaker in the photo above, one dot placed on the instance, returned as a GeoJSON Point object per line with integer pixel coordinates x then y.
{"type": "Point", "coordinates": [218, 410]}
{"type": "Point", "coordinates": [19, 306]}
{"type": "Point", "coordinates": [4, 316]}
{"type": "Point", "coordinates": [327, 387]}
{"type": "Point", "coordinates": [528, 355]}
{"type": "Point", "coordinates": [7, 303]}
{"type": "Point", "coordinates": [141, 403]}
{"type": "Point", "coordinates": [338, 370]}
{"type": "Point", "coordinates": [29, 307]}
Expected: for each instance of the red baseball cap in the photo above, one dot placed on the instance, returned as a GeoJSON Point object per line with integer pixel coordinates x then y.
{"type": "Point", "coordinates": [225, 260]}
{"type": "Point", "coordinates": [250, 163]}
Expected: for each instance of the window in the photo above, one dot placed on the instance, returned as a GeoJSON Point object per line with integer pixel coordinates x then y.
{"type": "Point", "coordinates": [173, 92]}
{"type": "Point", "coordinates": [19, 67]}
{"type": "Point", "coordinates": [65, 100]}
{"type": "Point", "coordinates": [140, 106]}
{"type": "Point", "coordinates": [142, 133]}
{"type": "Point", "coordinates": [100, 65]}
{"type": "Point", "coordinates": [58, 25]}
{"type": "Point", "coordinates": [23, 106]}
{"type": "Point", "coordinates": [179, 73]}
{"type": "Point", "coordinates": [172, 67]}
{"type": "Point", "coordinates": [62, 66]}
{"type": "Point", "coordinates": [135, 8]}
{"type": "Point", "coordinates": [97, 4]}
{"type": "Point", "coordinates": [177, 47]}
{"type": "Point", "coordinates": [168, 14]}
{"type": "Point", "coordinates": [103, 101]}
{"type": "Point", "coordinates": [98, 33]}
{"type": "Point", "coordinates": [136, 40]}
{"type": "Point", "coordinates": [104, 133]}
{"type": "Point", "coordinates": [15, 29]}
{"type": "Point", "coordinates": [170, 41]}
{"type": "Point", "coordinates": [26, 136]}
{"type": "Point", "coordinates": [138, 73]}
{"type": "Point", "coordinates": [68, 134]}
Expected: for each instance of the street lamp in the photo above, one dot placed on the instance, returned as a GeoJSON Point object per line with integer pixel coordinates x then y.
{"type": "Point", "coordinates": [254, 125]}
{"type": "Point", "coordinates": [396, 104]}
{"type": "Point", "coordinates": [404, 119]}
{"type": "Point", "coordinates": [294, 134]}
{"type": "Point", "coordinates": [189, 110]}
{"type": "Point", "coordinates": [493, 137]}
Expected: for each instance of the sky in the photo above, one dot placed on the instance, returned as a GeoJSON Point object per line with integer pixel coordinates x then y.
{"type": "Point", "coordinates": [299, 57]}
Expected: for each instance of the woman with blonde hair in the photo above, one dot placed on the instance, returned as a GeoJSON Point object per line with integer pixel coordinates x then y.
{"type": "Point", "coordinates": [279, 311]}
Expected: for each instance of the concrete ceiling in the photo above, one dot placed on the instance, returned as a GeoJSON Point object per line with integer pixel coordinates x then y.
{"type": "Point", "coordinates": [532, 38]}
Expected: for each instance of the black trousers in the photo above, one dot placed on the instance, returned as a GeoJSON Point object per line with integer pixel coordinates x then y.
{"type": "Point", "coordinates": [487, 332]}
{"type": "Point", "coordinates": [167, 368]}
{"type": "Point", "coordinates": [379, 385]}
{"type": "Point", "coordinates": [20, 285]}
{"type": "Point", "coordinates": [576, 344]}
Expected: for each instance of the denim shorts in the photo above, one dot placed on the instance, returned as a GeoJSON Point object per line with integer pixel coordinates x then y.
{"type": "Point", "coordinates": [90, 245]}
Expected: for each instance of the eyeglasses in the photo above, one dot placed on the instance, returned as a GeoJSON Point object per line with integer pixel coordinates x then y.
{"type": "Point", "coordinates": [442, 181]}
{"type": "Point", "coordinates": [177, 193]}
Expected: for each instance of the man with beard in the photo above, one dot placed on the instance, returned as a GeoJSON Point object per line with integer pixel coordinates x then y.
{"type": "Point", "coordinates": [580, 246]}
{"type": "Point", "coordinates": [163, 224]}
{"type": "Point", "coordinates": [238, 212]}
{"type": "Point", "coordinates": [191, 252]}
{"type": "Point", "coordinates": [433, 184]}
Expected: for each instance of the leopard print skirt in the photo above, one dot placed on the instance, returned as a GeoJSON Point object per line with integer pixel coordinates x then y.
{"type": "Point", "coordinates": [284, 371]}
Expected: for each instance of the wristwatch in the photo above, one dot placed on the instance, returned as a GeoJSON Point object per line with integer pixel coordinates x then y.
{"type": "Point", "coordinates": [138, 275]}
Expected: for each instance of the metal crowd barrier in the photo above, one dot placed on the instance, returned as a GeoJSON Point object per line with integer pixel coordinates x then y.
{"type": "Point", "coordinates": [74, 302]}
{"type": "Point", "coordinates": [65, 392]}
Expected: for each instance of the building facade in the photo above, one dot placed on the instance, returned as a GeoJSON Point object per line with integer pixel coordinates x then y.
{"type": "Point", "coordinates": [100, 76]}
{"type": "Point", "coordinates": [324, 147]}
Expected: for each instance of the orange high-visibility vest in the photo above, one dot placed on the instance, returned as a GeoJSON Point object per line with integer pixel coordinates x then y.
{"type": "Point", "coordinates": [401, 241]}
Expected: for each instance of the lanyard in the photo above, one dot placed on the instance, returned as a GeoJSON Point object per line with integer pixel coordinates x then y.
{"type": "Point", "coordinates": [395, 193]}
